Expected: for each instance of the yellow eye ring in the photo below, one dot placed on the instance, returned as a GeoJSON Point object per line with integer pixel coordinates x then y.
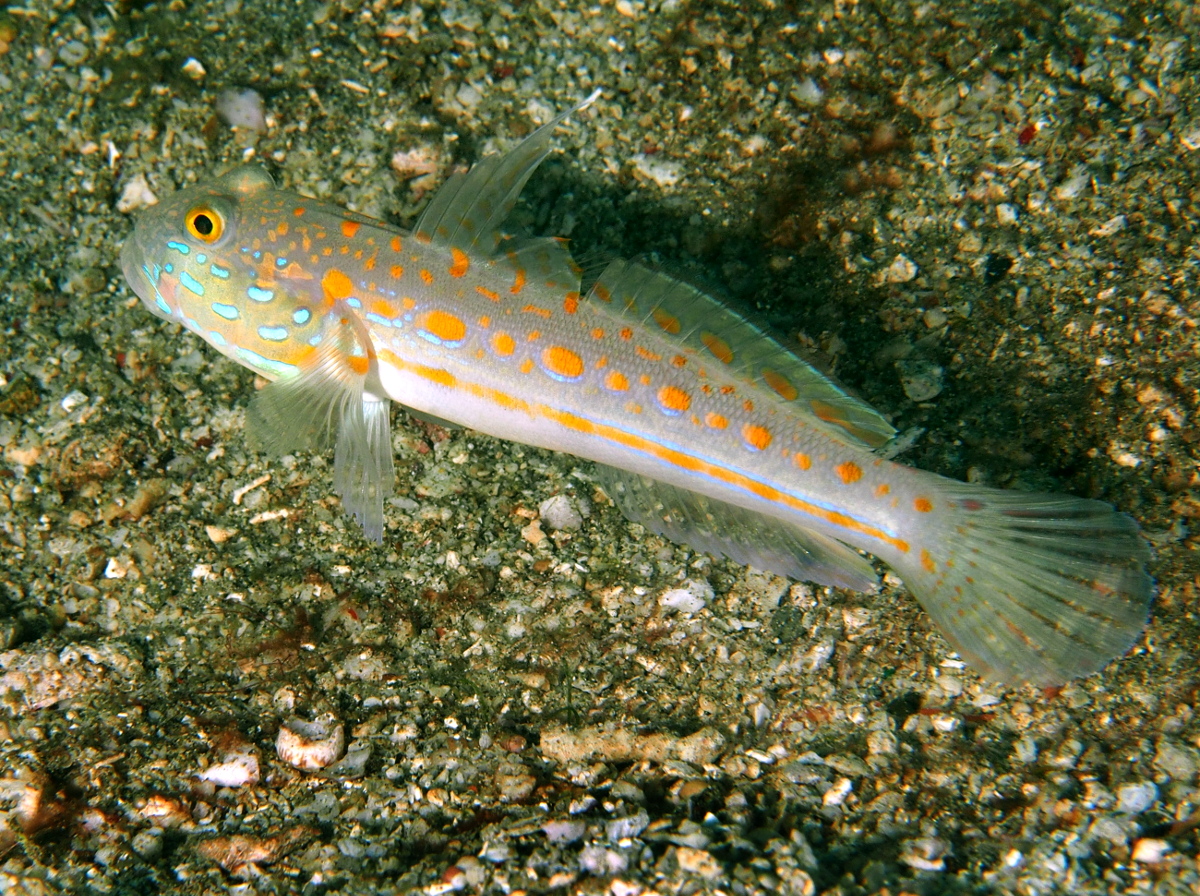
{"type": "Point", "coordinates": [204, 223]}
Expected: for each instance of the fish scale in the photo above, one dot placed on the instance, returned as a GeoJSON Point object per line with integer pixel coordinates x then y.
{"type": "Point", "coordinates": [704, 428]}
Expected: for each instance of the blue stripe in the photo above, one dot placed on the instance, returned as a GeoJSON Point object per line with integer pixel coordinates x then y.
{"type": "Point", "coordinates": [217, 339]}
{"type": "Point", "coordinates": [273, 334]}
{"type": "Point", "coordinates": [218, 271]}
{"type": "Point", "coordinates": [378, 319]}
{"type": "Point", "coordinates": [259, 294]}
{"type": "Point", "coordinates": [254, 359]}
{"type": "Point", "coordinates": [181, 248]}
{"type": "Point", "coordinates": [229, 312]}
{"type": "Point", "coordinates": [191, 283]}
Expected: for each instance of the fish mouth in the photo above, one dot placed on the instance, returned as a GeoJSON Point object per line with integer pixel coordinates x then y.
{"type": "Point", "coordinates": [146, 280]}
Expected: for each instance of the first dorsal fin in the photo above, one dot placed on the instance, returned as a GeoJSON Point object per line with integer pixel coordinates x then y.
{"type": "Point", "coordinates": [469, 208]}
{"type": "Point", "coordinates": [703, 324]}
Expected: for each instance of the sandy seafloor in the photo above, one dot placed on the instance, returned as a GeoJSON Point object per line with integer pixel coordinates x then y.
{"type": "Point", "coordinates": [983, 216]}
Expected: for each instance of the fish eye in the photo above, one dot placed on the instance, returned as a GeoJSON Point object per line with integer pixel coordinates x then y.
{"type": "Point", "coordinates": [204, 223]}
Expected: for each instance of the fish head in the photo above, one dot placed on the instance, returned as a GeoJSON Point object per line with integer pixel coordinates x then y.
{"type": "Point", "coordinates": [215, 258]}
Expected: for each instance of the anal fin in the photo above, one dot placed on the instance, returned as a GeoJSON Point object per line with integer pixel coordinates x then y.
{"type": "Point", "coordinates": [741, 535]}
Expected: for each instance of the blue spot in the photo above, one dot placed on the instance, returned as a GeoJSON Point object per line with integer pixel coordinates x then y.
{"type": "Point", "coordinates": [217, 339]}
{"type": "Point", "coordinates": [301, 316]}
{"type": "Point", "coordinates": [281, 262]}
{"type": "Point", "coordinates": [181, 248]}
{"type": "Point", "coordinates": [258, 254]}
{"type": "Point", "coordinates": [229, 312]}
{"type": "Point", "coordinates": [273, 334]}
{"type": "Point", "coordinates": [169, 268]}
{"type": "Point", "coordinates": [191, 283]}
{"type": "Point", "coordinates": [254, 359]}
{"type": "Point", "coordinates": [201, 258]}
{"type": "Point", "coordinates": [162, 304]}
{"type": "Point", "coordinates": [218, 271]}
{"type": "Point", "coordinates": [314, 340]}
{"type": "Point", "coordinates": [259, 294]}
{"type": "Point", "coordinates": [378, 319]}
{"type": "Point", "coordinates": [353, 302]}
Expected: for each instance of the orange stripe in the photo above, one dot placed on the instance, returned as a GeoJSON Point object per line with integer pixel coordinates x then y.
{"type": "Point", "coordinates": [675, 458]}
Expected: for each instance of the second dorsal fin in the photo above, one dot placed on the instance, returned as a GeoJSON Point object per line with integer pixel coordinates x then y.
{"type": "Point", "coordinates": [704, 325]}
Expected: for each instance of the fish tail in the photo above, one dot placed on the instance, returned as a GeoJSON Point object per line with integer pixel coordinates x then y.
{"type": "Point", "coordinates": [1030, 588]}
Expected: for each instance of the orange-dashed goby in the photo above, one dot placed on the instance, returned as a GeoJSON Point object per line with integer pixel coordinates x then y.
{"type": "Point", "coordinates": [704, 429]}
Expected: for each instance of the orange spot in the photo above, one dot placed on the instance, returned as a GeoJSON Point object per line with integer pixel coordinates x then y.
{"type": "Point", "coordinates": [543, 313]}
{"type": "Point", "coordinates": [827, 412]}
{"type": "Point", "coordinates": [927, 562]}
{"type": "Point", "coordinates": [336, 285]}
{"type": "Point", "coordinates": [668, 322]}
{"type": "Point", "coordinates": [518, 281]}
{"type": "Point", "coordinates": [647, 354]}
{"type": "Point", "coordinates": [718, 347]}
{"type": "Point", "coordinates": [407, 303]}
{"type": "Point", "coordinates": [369, 264]}
{"type": "Point", "coordinates": [526, 366]}
{"type": "Point", "coordinates": [625, 333]}
{"type": "Point", "coordinates": [349, 228]}
{"type": "Point", "coordinates": [633, 408]}
{"type": "Point", "coordinates": [359, 364]}
{"type": "Point", "coordinates": [397, 271]}
{"type": "Point", "coordinates": [602, 293]}
{"type": "Point", "coordinates": [757, 437]}
{"type": "Point", "coordinates": [427, 276]}
{"type": "Point", "coordinates": [882, 490]}
{"type": "Point", "coordinates": [460, 264]}
{"type": "Point", "coordinates": [727, 390]}
{"type": "Point", "coordinates": [534, 335]}
{"type": "Point", "coordinates": [923, 505]}
{"type": "Point", "coordinates": [383, 308]}
{"type": "Point", "coordinates": [443, 326]}
{"type": "Point", "coordinates": [848, 472]}
{"type": "Point", "coordinates": [716, 421]}
{"type": "Point", "coordinates": [502, 344]}
{"type": "Point", "coordinates": [616, 381]}
{"type": "Point", "coordinates": [298, 211]}
{"type": "Point", "coordinates": [282, 229]}
{"type": "Point", "coordinates": [562, 362]}
{"type": "Point", "coordinates": [396, 244]}
{"type": "Point", "coordinates": [602, 362]}
{"type": "Point", "coordinates": [801, 460]}
{"type": "Point", "coordinates": [748, 406]}
{"type": "Point", "coordinates": [597, 333]}
{"type": "Point", "coordinates": [571, 302]}
{"type": "Point", "coordinates": [488, 293]}
{"type": "Point", "coordinates": [679, 360]}
{"type": "Point", "coordinates": [674, 400]}
{"type": "Point", "coordinates": [644, 379]}
{"type": "Point", "coordinates": [485, 322]}
{"type": "Point", "coordinates": [780, 384]}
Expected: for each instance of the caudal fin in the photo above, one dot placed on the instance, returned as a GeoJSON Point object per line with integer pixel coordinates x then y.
{"type": "Point", "coordinates": [1031, 588]}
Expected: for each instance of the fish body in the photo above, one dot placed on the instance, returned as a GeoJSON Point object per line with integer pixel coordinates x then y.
{"type": "Point", "coordinates": [705, 429]}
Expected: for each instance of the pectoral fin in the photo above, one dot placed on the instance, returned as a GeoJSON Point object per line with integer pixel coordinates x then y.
{"type": "Point", "coordinates": [328, 395]}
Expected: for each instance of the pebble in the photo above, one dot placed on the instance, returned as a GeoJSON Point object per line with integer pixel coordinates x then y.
{"type": "Point", "coordinates": [1150, 851]}
{"type": "Point", "coordinates": [1133, 799]}
{"type": "Point", "coordinates": [310, 745]}
{"type": "Point", "coordinates": [236, 769]}
{"type": "Point", "coordinates": [689, 599]}
{"type": "Point", "coordinates": [559, 513]}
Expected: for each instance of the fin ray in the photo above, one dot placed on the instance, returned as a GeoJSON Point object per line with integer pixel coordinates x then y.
{"type": "Point", "coordinates": [743, 536]}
